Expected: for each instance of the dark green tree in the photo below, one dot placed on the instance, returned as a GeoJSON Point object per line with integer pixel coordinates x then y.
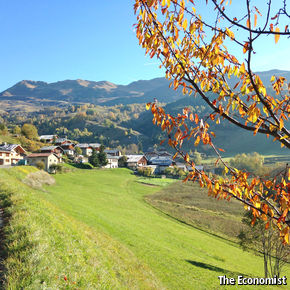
{"type": "Point", "coordinates": [94, 159]}
{"type": "Point", "coordinates": [122, 162]}
{"type": "Point", "coordinates": [102, 156]}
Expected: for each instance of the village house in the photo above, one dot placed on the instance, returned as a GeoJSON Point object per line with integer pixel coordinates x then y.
{"type": "Point", "coordinates": [153, 154]}
{"type": "Point", "coordinates": [87, 149]}
{"type": "Point", "coordinates": [95, 146]}
{"type": "Point", "coordinates": [162, 162]}
{"type": "Point", "coordinates": [47, 138]}
{"type": "Point", "coordinates": [47, 159]}
{"type": "Point", "coordinates": [112, 161]}
{"type": "Point", "coordinates": [135, 161]}
{"type": "Point", "coordinates": [57, 150]}
{"type": "Point", "coordinates": [68, 148]}
{"type": "Point", "coordinates": [60, 141]}
{"type": "Point", "coordinates": [11, 154]}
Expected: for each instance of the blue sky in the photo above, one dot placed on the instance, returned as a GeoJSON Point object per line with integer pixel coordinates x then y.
{"type": "Point", "coordinates": [52, 40]}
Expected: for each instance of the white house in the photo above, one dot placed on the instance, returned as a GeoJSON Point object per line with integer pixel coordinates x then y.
{"type": "Point", "coordinates": [48, 159]}
{"type": "Point", "coordinates": [112, 161]}
{"type": "Point", "coordinates": [11, 154]}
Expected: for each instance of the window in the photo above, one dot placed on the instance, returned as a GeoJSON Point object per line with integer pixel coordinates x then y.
{"type": "Point", "coordinates": [7, 160]}
{"type": "Point", "coordinates": [7, 154]}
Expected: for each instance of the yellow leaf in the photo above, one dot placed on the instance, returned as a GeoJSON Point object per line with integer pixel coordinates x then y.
{"type": "Point", "coordinates": [277, 36]}
{"type": "Point", "coordinates": [184, 24]}
{"type": "Point", "coordinates": [197, 141]}
{"type": "Point", "coordinates": [148, 106]}
{"type": "Point", "coordinates": [272, 79]}
{"type": "Point", "coordinates": [286, 238]}
{"type": "Point", "coordinates": [281, 125]}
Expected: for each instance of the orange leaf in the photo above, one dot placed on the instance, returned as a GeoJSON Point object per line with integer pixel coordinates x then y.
{"type": "Point", "coordinates": [255, 22]}
{"type": "Point", "coordinates": [197, 141]}
{"type": "Point", "coordinates": [277, 36]}
{"type": "Point", "coordinates": [220, 149]}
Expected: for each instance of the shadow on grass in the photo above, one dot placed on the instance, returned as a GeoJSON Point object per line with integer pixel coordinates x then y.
{"type": "Point", "coordinates": [214, 268]}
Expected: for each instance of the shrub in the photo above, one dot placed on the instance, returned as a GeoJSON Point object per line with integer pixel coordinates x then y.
{"type": "Point", "coordinates": [145, 171]}
{"type": "Point", "coordinates": [40, 165]}
{"type": "Point", "coordinates": [56, 168]}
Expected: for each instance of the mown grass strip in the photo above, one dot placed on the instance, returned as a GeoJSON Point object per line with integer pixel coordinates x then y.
{"type": "Point", "coordinates": [45, 248]}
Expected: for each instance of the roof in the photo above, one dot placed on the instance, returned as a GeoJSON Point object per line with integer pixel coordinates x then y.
{"type": "Point", "coordinates": [95, 145]}
{"type": "Point", "coordinates": [161, 160]}
{"type": "Point", "coordinates": [60, 140]}
{"type": "Point", "coordinates": [67, 143]}
{"type": "Point", "coordinates": [46, 137]}
{"type": "Point", "coordinates": [10, 147]}
{"type": "Point", "coordinates": [45, 148]}
{"type": "Point", "coordinates": [134, 158]}
{"type": "Point", "coordinates": [110, 151]}
{"type": "Point", "coordinates": [83, 145]}
{"type": "Point", "coordinates": [35, 155]}
{"type": "Point", "coordinates": [113, 157]}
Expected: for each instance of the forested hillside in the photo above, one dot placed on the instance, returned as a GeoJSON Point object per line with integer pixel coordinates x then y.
{"type": "Point", "coordinates": [115, 115]}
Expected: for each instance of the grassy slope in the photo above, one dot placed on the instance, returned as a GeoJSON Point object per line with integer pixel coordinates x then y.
{"type": "Point", "coordinates": [182, 257]}
{"type": "Point", "coordinates": [189, 203]}
{"type": "Point", "coordinates": [44, 245]}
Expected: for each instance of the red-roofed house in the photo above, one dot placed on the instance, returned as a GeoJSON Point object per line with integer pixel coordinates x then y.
{"type": "Point", "coordinates": [47, 158]}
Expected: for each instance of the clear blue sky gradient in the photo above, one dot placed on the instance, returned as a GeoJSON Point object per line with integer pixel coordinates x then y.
{"type": "Point", "coordinates": [52, 40]}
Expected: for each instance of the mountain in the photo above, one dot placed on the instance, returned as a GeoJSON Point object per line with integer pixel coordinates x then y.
{"type": "Point", "coordinates": [83, 91]}
{"type": "Point", "coordinates": [103, 92]}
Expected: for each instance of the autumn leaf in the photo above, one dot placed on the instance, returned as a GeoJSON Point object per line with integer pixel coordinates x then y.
{"type": "Point", "coordinates": [197, 140]}
{"type": "Point", "coordinates": [277, 36]}
{"type": "Point", "coordinates": [255, 21]}
{"type": "Point", "coordinates": [148, 105]}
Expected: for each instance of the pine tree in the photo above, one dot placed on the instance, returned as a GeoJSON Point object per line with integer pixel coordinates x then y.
{"type": "Point", "coordinates": [102, 156]}
{"type": "Point", "coordinates": [94, 159]}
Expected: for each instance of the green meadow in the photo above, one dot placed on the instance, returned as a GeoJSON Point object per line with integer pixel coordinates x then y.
{"type": "Point", "coordinates": [94, 229]}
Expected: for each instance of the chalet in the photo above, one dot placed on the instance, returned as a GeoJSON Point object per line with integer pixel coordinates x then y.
{"type": "Point", "coordinates": [87, 150]}
{"type": "Point", "coordinates": [95, 146]}
{"type": "Point", "coordinates": [134, 161]}
{"type": "Point", "coordinates": [162, 162]}
{"type": "Point", "coordinates": [112, 161]}
{"type": "Point", "coordinates": [47, 138]}
{"type": "Point", "coordinates": [11, 154]}
{"type": "Point", "coordinates": [53, 149]}
{"type": "Point", "coordinates": [61, 141]}
{"type": "Point", "coordinates": [68, 148]}
{"type": "Point", "coordinates": [47, 159]}
{"type": "Point", "coordinates": [155, 154]}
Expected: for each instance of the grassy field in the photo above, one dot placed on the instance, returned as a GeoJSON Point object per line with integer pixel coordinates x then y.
{"type": "Point", "coordinates": [189, 203]}
{"type": "Point", "coordinates": [95, 228]}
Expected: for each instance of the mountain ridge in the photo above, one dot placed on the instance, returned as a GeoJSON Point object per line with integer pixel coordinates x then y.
{"type": "Point", "coordinates": [104, 92]}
